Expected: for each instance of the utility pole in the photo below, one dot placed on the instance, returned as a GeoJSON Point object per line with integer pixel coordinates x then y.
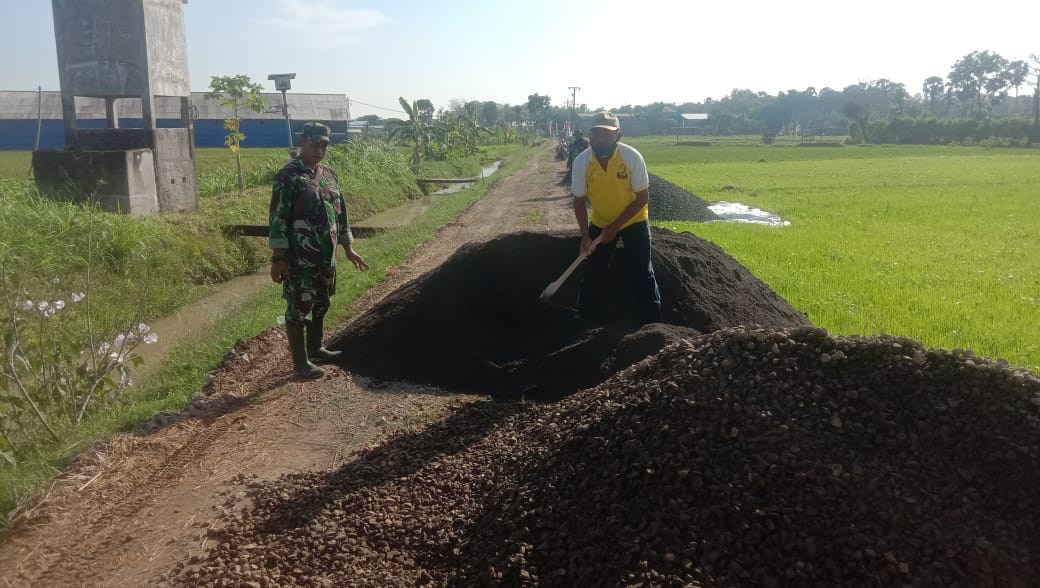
{"type": "Point", "coordinates": [574, 92]}
{"type": "Point", "coordinates": [348, 120]}
{"type": "Point", "coordinates": [574, 106]}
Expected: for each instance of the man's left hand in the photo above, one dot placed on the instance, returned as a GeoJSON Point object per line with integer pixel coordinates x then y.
{"type": "Point", "coordinates": [358, 261]}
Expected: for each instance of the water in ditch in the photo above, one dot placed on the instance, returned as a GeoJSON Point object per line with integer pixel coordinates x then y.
{"type": "Point", "coordinates": [192, 321]}
{"type": "Point", "coordinates": [402, 215]}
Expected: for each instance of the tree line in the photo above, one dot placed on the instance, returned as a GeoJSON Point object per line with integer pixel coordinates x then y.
{"type": "Point", "coordinates": [980, 99]}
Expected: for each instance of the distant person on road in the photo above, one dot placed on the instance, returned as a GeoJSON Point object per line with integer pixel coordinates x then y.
{"type": "Point", "coordinates": [579, 144]}
{"type": "Point", "coordinates": [308, 220]}
{"type": "Point", "coordinates": [614, 178]}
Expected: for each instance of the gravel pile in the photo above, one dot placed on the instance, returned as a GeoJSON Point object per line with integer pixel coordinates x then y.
{"type": "Point", "coordinates": [671, 202]}
{"type": "Point", "coordinates": [747, 457]}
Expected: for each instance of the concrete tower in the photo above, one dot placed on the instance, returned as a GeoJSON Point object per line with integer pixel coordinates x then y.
{"type": "Point", "coordinates": [132, 54]}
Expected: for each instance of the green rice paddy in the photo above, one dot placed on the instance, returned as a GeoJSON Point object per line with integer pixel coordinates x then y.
{"type": "Point", "coordinates": [940, 244]}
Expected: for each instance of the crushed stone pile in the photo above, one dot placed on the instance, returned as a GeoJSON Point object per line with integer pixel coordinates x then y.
{"type": "Point", "coordinates": [476, 324]}
{"type": "Point", "coordinates": [669, 201]}
{"type": "Point", "coordinates": [746, 457]}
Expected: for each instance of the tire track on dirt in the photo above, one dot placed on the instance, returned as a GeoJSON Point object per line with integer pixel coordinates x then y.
{"type": "Point", "coordinates": [75, 555]}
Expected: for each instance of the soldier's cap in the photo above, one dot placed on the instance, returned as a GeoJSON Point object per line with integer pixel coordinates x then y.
{"type": "Point", "coordinates": [316, 132]}
{"type": "Point", "coordinates": [605, 120]}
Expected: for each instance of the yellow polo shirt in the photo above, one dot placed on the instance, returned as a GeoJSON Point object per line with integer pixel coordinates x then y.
{"type": "Point", "coordinates": [611, 190]}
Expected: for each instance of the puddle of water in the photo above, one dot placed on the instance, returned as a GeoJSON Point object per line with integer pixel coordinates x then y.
{"type": "Point", "coordinates": [484, 172]}
{"type": "Point", "coordinates": [193, 320]}
{"type": "Point", "coordinates": [735, 212]}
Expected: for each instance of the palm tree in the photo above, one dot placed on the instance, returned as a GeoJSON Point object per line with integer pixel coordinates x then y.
{"type": "Point", "coordinates": [415, 132]}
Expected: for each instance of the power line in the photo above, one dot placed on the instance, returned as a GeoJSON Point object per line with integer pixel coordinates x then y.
{"type": "Point", "coordinates": [379, 107]}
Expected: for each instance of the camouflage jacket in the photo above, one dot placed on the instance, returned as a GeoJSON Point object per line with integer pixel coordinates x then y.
{"type": "Point", "coordinates": [308, 215]}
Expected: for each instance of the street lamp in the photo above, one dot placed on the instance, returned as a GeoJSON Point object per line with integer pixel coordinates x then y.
{"type": "Point", "coordinates": [282, 84]}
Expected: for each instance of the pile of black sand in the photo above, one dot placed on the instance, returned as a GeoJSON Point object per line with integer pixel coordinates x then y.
{"type": "Point", "coordinates": [476, 323]}
{"type": "Point", "coordinates": [671, 202]}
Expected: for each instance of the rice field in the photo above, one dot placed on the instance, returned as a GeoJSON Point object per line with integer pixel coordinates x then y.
{"type": "Point", "coordinates": [940, 244]}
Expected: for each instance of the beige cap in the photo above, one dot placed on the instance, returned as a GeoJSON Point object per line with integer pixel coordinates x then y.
{"type": "Point", "coordinates": [606, 120]}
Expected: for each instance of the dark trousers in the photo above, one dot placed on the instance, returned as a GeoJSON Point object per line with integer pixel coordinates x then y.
{"type": "Point", "coordinates": [639, 273]}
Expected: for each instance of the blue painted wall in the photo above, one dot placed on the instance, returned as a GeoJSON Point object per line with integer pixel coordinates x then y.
{"type": "Point", "coordinates": [20, 134]}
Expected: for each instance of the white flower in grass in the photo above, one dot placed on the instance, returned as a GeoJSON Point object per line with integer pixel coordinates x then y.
{"type": "Point", "coordinates": [59, 304]}
{"type": "Point", "coordinates": [103, 349]}
{"type": "Point", "coordinates": [49, 312]}
{"type": "Point", "coordinates": [119, 341]}
{"type": "Point", "coordinates": [28, 305]}
{"type": "Point", "coordinates": [55, 280]}
{"type": "Point", "coordinates": [42, 306]}
{"type": "Point", "coordinates": [143, 328]}
{"type": "Point", "coordinates": [150, 338]}
{"type": "Point", "coordinates": [118, 357]}
{"type": "Point", "coordinates": [77, 296]}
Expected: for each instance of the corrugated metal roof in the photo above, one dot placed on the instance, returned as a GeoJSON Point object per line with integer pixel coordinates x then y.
{"type": "Point", "coordinates": [23, 105]}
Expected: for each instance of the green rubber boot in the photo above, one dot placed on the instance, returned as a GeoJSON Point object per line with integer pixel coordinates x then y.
{"type": "Point", "coordinates": [304, 368]}
{"type": "Point", "coordinates": [315, 349]}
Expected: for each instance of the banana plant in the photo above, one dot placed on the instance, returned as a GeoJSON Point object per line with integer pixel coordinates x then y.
{"type": "Point", "coordinates": [463, 135]}
{"type": "Point", "coordinates": [416, 132]}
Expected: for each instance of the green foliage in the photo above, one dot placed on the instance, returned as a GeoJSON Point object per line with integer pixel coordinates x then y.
{"type": "Point", "coordinates": [223, 180]}
{"type": "Point", "coordinates": [373, 176]}
{"type": "Point", "coordinates": [15, 164]}
{"type": "Point", "coordinates": [236, 93]}
{"type": "Point", "coordinates": [462, 137]}
{"type": "Point", "coordinates": [981, 78]}
{"type": "Point", "coordinates": [489, 113]}
{"type": "Point", "coordinates": [58, 359]}
{"type": "Point", "coordinates": [538, 107]}
{"type": "Point", "coordinates": [859, 116]}
{"type": "Point", "coordinates": [418, 132]}
{"type": "Point", "coordinates": [52, 375]}
{"type": "Point", "coordinates": [930, 130]}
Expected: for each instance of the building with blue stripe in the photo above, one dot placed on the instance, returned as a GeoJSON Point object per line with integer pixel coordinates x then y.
{"type": "Point", "coordinates": [22, 112]}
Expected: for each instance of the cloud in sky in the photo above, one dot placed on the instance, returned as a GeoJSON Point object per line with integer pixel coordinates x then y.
{"type": "Point", "coordinates": [324, 23]}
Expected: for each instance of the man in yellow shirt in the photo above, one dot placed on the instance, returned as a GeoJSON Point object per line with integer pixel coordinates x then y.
{"type": "Point", "coordinates": [614, 178]}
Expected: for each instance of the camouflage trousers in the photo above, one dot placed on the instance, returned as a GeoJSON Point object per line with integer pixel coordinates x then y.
{"type": "Point", "coordinates": [308, 293]}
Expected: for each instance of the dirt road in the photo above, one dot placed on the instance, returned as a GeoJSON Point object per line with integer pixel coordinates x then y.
{"type": "Point", "coordinates": [130, 509]}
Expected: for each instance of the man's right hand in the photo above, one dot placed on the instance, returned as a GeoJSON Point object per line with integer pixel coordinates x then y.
{"type": "Point", "coordinates": [586, 246]}
{"type": "Point", "coordinates": [279, 269]}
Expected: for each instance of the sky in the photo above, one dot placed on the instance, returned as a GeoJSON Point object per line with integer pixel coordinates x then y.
{"type": "Point", "coordinates": [617, 53]}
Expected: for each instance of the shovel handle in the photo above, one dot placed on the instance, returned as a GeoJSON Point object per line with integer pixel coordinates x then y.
{"type": "Point", "coordinates": [553, 287]}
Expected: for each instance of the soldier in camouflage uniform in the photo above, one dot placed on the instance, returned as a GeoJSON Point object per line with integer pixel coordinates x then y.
{"type": "Point", "coordinates": [308, 221]}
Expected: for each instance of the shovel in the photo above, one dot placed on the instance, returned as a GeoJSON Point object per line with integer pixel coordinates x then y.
{"type": "Point", "coordinates": [551, 289]}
